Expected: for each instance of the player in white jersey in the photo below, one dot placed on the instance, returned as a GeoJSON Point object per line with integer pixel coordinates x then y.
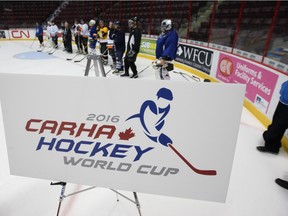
{"type": "Point", "coordinates": [54, 34]}
{"type": "Point", "coordinates": [85, 35]}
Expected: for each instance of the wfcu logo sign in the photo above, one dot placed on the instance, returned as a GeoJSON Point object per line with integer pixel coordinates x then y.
{"type": "Point", "coordinates": [97, 146]}
{"type": "Point", "coordinates": [195, 57]}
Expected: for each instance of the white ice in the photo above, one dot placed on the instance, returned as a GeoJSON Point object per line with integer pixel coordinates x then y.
{"type": "Point", "coordinates": [252, 189]}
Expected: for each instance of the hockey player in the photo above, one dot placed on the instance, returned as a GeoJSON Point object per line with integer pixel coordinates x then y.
{"type": "Point", "coordinates": [49, 30]}
{"type": "Point", "coordinates": [93, 34]}
{"type": "Point", "coordinates": [39, 33]}
{"type": "Point", "coordinates": [54, 34]}
{"type": "Point", "coordinates": [117, 34]}
{"type": "Point", "coordinates": [67, 38]}
{"type": "Point", "coordinates": [133, 47]}
{"type": "Point", "coordinates": [103, 36]}
{"type": "Point", "coordinates": [84, 36]}
{"type": "Point", "coordinates": [77, 35]}
{"type": "Point", "coordinates": [166, 49]}
{"type": "Point", "coordinates": [110, 45]}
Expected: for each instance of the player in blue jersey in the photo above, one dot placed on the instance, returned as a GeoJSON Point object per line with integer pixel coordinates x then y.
{"type": "Point", "coordinates": [39, 33]}
{"type": "Point", "coordinates": [166, 49]}
{"type": "Point", "coordinates": [92, 34]}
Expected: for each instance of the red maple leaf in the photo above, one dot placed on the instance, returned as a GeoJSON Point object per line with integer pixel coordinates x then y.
{"type": "Point", "coordinates": [127, 134]}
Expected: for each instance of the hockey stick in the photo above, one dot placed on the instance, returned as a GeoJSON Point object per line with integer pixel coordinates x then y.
{"type": "Point", "coordinates": [76, 61]}
{"type": "Point", "coordinates": [198, 171]}
{"type": "Point", "coordinates": [69, 59]}
{"type": "Point", "coordinates": [32, 43]}
{"type": "Point", "coordinates": [62, 196]}
{"type": "Point", "coordinates": [191, 77]}
{"type": "Point", "coordinates": [144, 69]}
{"type": "Point", "coordinates": [54, 48]}
{"type": "Point", "coordinates": [44, 46]}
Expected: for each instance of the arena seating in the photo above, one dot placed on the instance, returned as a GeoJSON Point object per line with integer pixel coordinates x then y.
{"type": "Point", "coordinates": [25, 13]}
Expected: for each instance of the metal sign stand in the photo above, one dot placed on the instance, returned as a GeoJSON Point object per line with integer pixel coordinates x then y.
{"type": "Point", "coordinates": [98, 65]}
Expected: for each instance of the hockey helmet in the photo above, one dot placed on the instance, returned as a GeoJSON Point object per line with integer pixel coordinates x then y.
{"type": "Point", "coordinates": [92, 22]}
{"type": "Point", "coordinates": [166, 25]}
{"type": "Point", "coordinates": [133, 21]}
{"type": "Point", "coordinates": [117, 22]}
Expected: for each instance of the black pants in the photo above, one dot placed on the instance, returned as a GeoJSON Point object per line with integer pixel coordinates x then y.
{"type": "Point", "coordinates": [84, 42]}
{"type": "Point", "coordinates": [112, 54]}
{"type": "Point", "coordinates": [68, 45]}
{"type": "Point", "coordinates": [130, 63]}
{"type": "Point", "coordinates": [55, 40]}
{"type": "Point", "coordinates": [40, 38]}
{"type": "Point", "coordinates": [77, 41]}
{"type": "Point", "coordinates": [104, 51]}
{"type": "Point", "coordinates": [276, 130]}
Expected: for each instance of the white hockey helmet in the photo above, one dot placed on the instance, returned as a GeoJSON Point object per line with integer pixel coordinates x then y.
{"type": "Point", "coordinates": [92, 22]}
{"type": "Point", "coordinates": [166, 25]}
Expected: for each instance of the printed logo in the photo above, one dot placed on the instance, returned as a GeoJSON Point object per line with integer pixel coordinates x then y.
{"type": "Point", "coordinates": [153, 131]}
{"type": "Point", "coordinates": [226, 66]}
{"type": "Point", "coordinates": [100, 142]}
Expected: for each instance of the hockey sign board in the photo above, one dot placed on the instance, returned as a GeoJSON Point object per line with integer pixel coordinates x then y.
{"type": "Point", "coordinates": [173, 138]}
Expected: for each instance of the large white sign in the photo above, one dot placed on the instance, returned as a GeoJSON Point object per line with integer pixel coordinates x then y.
{"type": "Point", "coordinates": [166, 138]}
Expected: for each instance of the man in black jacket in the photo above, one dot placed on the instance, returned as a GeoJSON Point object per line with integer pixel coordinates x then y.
{"type": "Point", "coordinates": [133, 47]}
{"type": "Point", "coordinates": [67, 38]}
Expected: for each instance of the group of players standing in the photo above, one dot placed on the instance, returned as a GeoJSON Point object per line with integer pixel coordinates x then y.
{"type": "Point", "coordinates": [112, 42]}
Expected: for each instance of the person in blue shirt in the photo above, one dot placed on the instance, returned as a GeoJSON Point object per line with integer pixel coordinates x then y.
{"type": "Point", "coordinates": [117, 34]}
{"type": "Point", "coordinates": [92, 34]}
{"type": "Point", "coordinates": [39, 33]}
{"type": "Point", "coordinates": [166, 49]}
{"type": "Point", "coordinates": [275, 131]}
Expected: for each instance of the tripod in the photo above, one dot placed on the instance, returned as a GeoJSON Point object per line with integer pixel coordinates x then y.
{"type": "Point", "coordinates": [63, 196]}
{"type": "Point", "coordinates": [98, 65]}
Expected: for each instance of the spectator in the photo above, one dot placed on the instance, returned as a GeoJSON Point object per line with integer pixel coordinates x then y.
{"type": "Point", "coordinates": [273, 135]}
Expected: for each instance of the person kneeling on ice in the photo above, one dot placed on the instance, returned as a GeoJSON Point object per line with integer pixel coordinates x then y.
{"type": "Point", "coordinates": [39, 33]}
{"type": "Point", "coordinates": [92, 34]}
{"type": "Point", "coordinates": [118, 35]}
{"type": "Point", "coordinates": [166, 49]}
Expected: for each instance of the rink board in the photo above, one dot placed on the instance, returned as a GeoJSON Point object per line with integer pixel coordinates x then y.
{"type": "Point", "coordinates": [116, 133]}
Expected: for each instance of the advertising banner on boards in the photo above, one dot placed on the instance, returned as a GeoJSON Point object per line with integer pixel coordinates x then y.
{"type": "Point", "coordinates": [260, 81]}
{"type": "Point", "coordinates": [148, 46]}
{"type": "Point", "coordinates": [195, 57]}
{"type": "Point", "coordinates": [161, 140]}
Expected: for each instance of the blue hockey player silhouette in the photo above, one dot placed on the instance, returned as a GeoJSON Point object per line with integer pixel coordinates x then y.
{"type": "Point", "coordinates": [152, 118]}
{"type": "Point", "coordinates": [150, 106]}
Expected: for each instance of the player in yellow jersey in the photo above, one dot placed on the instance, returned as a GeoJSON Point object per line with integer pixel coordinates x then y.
{"type": "Point", "coordinates": [103, 39]}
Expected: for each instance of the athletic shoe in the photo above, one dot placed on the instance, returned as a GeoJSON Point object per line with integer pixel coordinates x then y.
{"type": "Point", "coordinates": [116, 71]}
{"type": "Point", "coordinates": [282, 183]}
{"type": "Point", "coordinates": [264, 149]}
{"type": "Point", "coordinates": [134, 76]}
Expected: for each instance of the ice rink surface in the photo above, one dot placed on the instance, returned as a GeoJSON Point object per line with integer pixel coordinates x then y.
{"type": "Point", "coordinates": [252, 191]}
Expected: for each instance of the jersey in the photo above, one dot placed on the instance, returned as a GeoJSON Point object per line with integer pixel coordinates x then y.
{"type": "Point", "coordinates": [49, 31]}
{"type": "Point", "coordinates": [85, 30]}
{"type": "Point", "coordinates": [166, 45]}
{"type": "Point", "coordinates": [134, 40]}
{"type": "Point", "coordinates": [54, 30]}
{"type": "Point", "coordinates": [103, 34]}
{"type": "Point", "coordinates": [284, 93]}
{"type": "Point", "coordinates": [39, 31]}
